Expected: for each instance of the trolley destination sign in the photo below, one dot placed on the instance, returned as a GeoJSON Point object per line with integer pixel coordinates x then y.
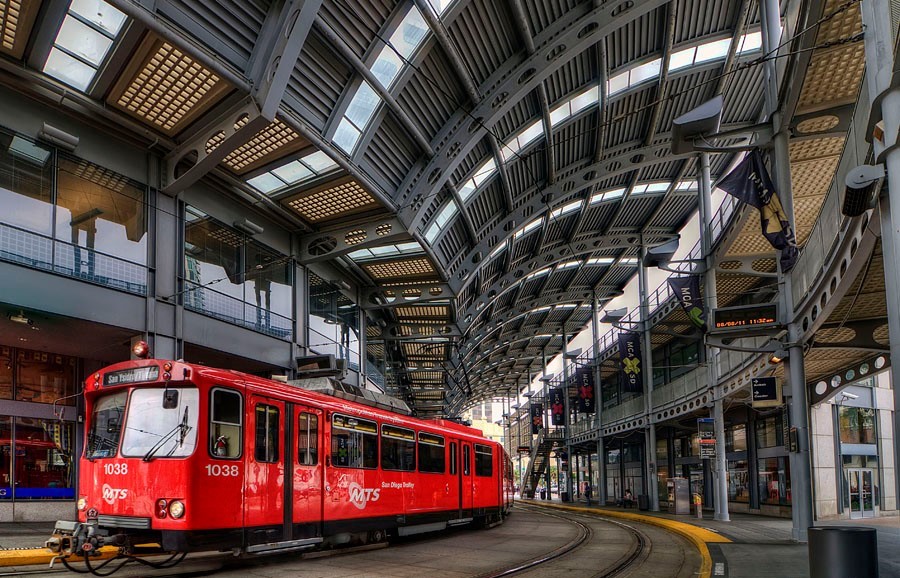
{"type": "Point", "coordinates": [133, 375]}
{"type": "Point", "coordinates": [745, 317]}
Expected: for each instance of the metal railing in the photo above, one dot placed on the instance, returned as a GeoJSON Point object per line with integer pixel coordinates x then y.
{"type": "Point", "coordinates": [45, 253]}
{"type": "Point", "coordinates": [235, 311]}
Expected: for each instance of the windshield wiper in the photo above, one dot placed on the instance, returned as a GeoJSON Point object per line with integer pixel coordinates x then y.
{"type": "Point", "coordinates": [182, 428]}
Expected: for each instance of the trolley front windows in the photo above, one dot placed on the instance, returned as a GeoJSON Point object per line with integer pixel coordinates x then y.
{"type": "Point", "coordinates": [106, 426]}
{"type": "Point", "coordinates": [225, 424]}
{"type": "Point", "coordinates": [354, 442]}
{"type": "Point", "coordinates": [161, 423]}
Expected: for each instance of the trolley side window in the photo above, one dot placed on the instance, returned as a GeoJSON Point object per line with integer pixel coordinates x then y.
{"type": "Point", "coordinates": [431, 453]}
{"type": "Point", "coordinates": [484, 460]}
{"type": "Point", "coordinates": [106, 426]}
{"type": "Point", "coordinates": [354, 442]}
{"type": "Point", "coordinates": [225, 423]}
{"type": "Point", "coordinates": [467, 460]}
{"type": "Point", "coordinates": [267, 421]}
{"type": "Point", "coordinates": [398, 448]}
{"type": "Point", "coordinates": [308, 439]}
{"type": "Point", "coordinates": [453, 454]}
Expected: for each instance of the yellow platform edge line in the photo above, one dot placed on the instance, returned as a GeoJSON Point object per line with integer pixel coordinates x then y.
{"type": "Point", "coordinates": [36, 556]}
{"type": "Point", "coordinates": [699, 537]}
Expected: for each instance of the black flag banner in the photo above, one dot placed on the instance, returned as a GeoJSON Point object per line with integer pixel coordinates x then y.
{"type": "Point", "coordinates": [630, 352]}
{"type": "Point", "coordinates": [557, 407]}
{"type": "Point", "coordinates": [750, 183]}
{"type": "Point", "coordinates": [584, 381]}
{"type": "Point", "coordinates": [537, 417]}
{"type": "Point", "coordinates": [687, 290]}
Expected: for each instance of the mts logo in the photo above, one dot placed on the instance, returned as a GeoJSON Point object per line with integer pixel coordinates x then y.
{"type": "Point", "coordinates": [110, 495]}
{"type": "Point", "coordinates": [360, 496]}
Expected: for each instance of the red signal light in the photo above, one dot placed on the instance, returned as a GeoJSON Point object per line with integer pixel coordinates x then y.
{"type": "Point", "coordinates": [141, 349]}
{"type": "Point", "coordinates": [167, 366]}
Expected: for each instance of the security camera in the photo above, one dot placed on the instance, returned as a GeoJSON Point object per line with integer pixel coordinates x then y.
{"type": "Point", "coordinates": [849, 395]}
{"type": "Point", "coordinates": [862, 183]}
{"type": "Point", "coordinates": [58, 137]}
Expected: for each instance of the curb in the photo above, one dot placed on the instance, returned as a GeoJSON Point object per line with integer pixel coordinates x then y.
{"type": "Point", "coordinates": [699, 537]}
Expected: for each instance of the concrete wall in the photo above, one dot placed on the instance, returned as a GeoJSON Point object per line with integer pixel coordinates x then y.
{"type": "Point", "coordinates": [825, 469]}
{"type": "Point", "coordinates": [884, 401]}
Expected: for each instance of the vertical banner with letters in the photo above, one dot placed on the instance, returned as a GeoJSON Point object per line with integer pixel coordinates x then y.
{"type": "Point", "coordinates": [584, 381]}
{"type": "Point", "coordinates": [557, 406]}
{"type": "Point", "coordinates": [537, 417]}
{"type": "Point", "coordinates": [687, 290]}
{"type": "Point", "coordinates": [630, 353]}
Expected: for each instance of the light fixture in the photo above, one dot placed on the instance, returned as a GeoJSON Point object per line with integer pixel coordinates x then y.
{"type": "Point", "coordinates": [546, 378]}
{"type": "Point", "coordinates": [861, 189]}
{"type": "Point", "coordinates": [20, 318]}
{"type": "Point", "coordinates": [613, 316]}
{"type": "Point", "coordinates": [778, 356]}
{"type": "Point", "coordinates": [572, 354]}
{"type": "Point", "coordinates": [141, 350]}
{"type": "Point", "coordinates": [248, 226]}
{"type": "Point", "coordinates": [58, 137]}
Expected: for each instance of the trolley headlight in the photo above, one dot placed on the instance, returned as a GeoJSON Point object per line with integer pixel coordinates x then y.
{"type": "Point", "coordinates": [176, 509]}
{"type": "Point", "coordinates": [82, 504]}
{"type": "Point", "coordinates": [161, 505]}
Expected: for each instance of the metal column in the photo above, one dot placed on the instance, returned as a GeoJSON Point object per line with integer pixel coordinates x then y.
{"type": "Point", "coordinates": [720, 469]}
{"type": "Point", "coordinates": [567, 421]}
{"type": "Point", "coordinates": [876, 16]}
{"type": "Point", "coordinates": [801, 475]}
{"type": "Point", "coordinates": [647, 344]}
{"type": "Point", "coordinates": [598, 404]}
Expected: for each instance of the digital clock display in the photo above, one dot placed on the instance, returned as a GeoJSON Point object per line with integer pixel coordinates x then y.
{"type": "Point", "coordinates": [745, 317]}
{"type": "Point", "coordinates": [133, 375]}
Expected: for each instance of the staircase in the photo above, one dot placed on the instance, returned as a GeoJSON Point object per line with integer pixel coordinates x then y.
{"type": "Point", "coordinates": [540, 457]}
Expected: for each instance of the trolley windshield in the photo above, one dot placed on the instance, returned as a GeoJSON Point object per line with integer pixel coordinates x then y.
{"type": "Point", "coordinates": [149, 424]}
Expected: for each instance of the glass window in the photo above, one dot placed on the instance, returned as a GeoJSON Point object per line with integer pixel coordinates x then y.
{"type": "Point", "coordinates": [453, 467]}
{"type": "Point", "coordinates": [333, 321]}
{"type": "Point", "coordinates": [43, 377]}
{"type": "Point", "coordinates": [467, 460]}
{"type": "Point", "coordinates": [25, 190]}
{"type": "Point", "coordinates": [6, 481]}
{"type": "Point", "coordinates": [398, 448]}
{"type": "Point", "coordinates": [107, 418]}
{"type": "Point", "coordinates": [736, 438]}
{"type": "Point", "coordinates": [308, 439]}
{"type": "Point", "coordinates": [154, 430]}
{"type": "Point", "coordinates": [857, 425]}
{"type": "Point", "coordinates": [768, 432]}
{"type": "Point", "coordinates": [484, 460]}
{"type": "Point", "coordinates": [431, 453]}
{"type": "Point", "coordinates": [738, 481]}
{"type": "Point", "coordinates": [774, 481]}
{"type": "Point", "coordinates": [354, 442]}
{"type": "Point", "coordinates": [225, 420]}
{"type": "Point", "coordinates": [44, 465]}
{"type": "Point", "coordinates": [268, 422]}
{"type": "Point", "coordinates": [6, 373]}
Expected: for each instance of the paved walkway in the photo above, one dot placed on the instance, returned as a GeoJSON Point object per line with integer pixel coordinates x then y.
{"type": "Point", "coordinates": [761, 546]}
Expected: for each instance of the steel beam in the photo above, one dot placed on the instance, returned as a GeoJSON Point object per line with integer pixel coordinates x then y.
{"type": "Point", "coordinates": [331, 244]}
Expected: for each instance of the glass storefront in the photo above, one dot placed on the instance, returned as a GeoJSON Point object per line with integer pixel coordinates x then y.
{"type": "Point", "coordinates": [37, 376]}
{"type": "Point", "coordinates": [738, 481]}
{"type": "Point", "coordinates": [37, 459]}
{"type": "Point", "coordinates": [333, 322]}
{"type": "Point", "coordinates": [857, 425]}
{"type": "Point", "coordinates": [768, 432]}
{"type": "Point", "coordinates": [774, 481]}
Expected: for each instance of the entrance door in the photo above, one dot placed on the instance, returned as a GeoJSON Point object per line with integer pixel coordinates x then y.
{"type": "Point", "coordinates": [264, 495]}
{"type": "Point", "coordinates": [306, 487]}
{"type": "Point", "coordinates": [861, 490]}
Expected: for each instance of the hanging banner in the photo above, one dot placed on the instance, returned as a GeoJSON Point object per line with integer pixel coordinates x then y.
{"type": "Point", "coordinates": [630, 352]}
{"type": "Point", "coordinates": [537, 417]}
{"type": "Point", "coordinates": [687, 290]}
{"type": "Point", "coordinates": [584, 381]}
{"type": "Point", "coordinates": [557, 407]}
{"type": "Point", "coordinates": [750, 183]}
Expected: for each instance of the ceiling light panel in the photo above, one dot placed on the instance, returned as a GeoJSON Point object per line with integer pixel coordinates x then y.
{"type": "Point", "coordinates": [16, 21]}
{"type": "Point", "coordinates": [276, 139]}
{"type": "Point", "coordinates": [400, 269]}
{"type": "Point", "coordinates": [166, 88]}
{"type": "Point", "coordinates": [335, 200]}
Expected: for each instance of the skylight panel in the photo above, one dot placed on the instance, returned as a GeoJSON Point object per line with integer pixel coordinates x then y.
{"type": "Point", "coordinates": [750, 42]}
{"type": "Point", "coordinates": [83, 41]}
{"type": "Point", "coordinates": [687, 185]}
{"type": "Point", "coordinates": [712, 50]}
{"type": "Point", "coordinates": [629, 261]}
{"type": "Point", "coordinates": [532, 132]}
{"type": "Point", "coordinates": [346, 135]}
{"type": "Point", "coordinates": [440, 6]}
{"type": "Point", "coordinates": [528, 228]}
{"type": "Point", "coordinates": [266, 183]}
{"type": "Point", "coordinates": [682, 58]}
{"type": "Point", "coordinates": [509, 149]}
{"type": "Point", "coordinates": [319, 162]}
{"type": "Point", "coordinates": [387, 66]}
{"type": "Point", "coordinates": [412, 30]}
{"type": "Point", "coordinates": [538, 273]}
{"type": "Point", "coordinates": [566, 306]}
{"type": "Point", "coordinates": [568, 265]}
{"type": "Point", "coordinates": [541, 309]}
{"type": "Point", "coordinates": [560, 113]}
{"type": "Point", "coordinates": [644, 72]}
{"type": "Point", "coordinates": [440, 222]}
{"type": "Point", "coordinates": [484, 172]}
{"type": "Point", "coordinates": [363, 105]}
{"type": "Point", "coordinates": [607, 196]}
{"type": "Point", "coordinates": [617, 83]}
{"type": "Point", "coordinates": [585, 99]}
{"type": "Point", "coordinates": [565, 209]}
{"type": "Point", "coordinates": [599, 261]}
{"type": "Point", "coordinates": [292, 172]}
{"type": "Point", "coordinates": [645, 188]}
{"type": "Point", "coordinates": [360, 254]}
{"type": "Point", "coordinates": [497, 250]}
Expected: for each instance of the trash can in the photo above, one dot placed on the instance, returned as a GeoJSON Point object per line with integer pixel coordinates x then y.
{"type": "Point", "coordinates": [564, 496]}
{"type": "Point", "coordinates": [643, 502]}
{"type": "Point", "coordinates": [843, 552]}
{"type": "Point", "coordinates": [543, 494]}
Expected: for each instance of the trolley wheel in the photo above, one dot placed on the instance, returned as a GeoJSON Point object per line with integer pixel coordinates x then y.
{"type": "Point", "coordinates": [376, 536]}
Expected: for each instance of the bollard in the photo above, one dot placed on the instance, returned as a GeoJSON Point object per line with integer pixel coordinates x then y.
{"type": "Point", "coordinates": [698, 503]}
{"type": "Point", "coordinates": [843, 552]}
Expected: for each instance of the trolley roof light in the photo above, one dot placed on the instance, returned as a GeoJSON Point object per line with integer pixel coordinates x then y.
{"type": "Point", "coordinates": [141, 350]}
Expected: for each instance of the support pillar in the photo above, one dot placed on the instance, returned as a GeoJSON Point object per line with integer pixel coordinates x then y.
{"type": "Point", "coordinates": [601, 471]}
{"type": "Point", "coordinates": [600, 491]}
{"type": "Point", "coordinates": [567, 427]}
{"type": "Point", "coordinates": [647, 346]}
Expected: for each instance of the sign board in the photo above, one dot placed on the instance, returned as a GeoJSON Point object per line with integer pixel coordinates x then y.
{"type": "Point", "coordinates": [524, 450]}
{"type": "Point", "coordinates": [786, 428]}
{"type": "Point", "coordinates": [765, 392]}
{"type": "Point", "coordinates": [746, 318]}
{"type": "Point", "coordinates": [706, 428]}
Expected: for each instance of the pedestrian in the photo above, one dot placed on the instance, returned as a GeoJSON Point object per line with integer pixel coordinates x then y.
{"type": "Point", "coordinates": [588, 491]}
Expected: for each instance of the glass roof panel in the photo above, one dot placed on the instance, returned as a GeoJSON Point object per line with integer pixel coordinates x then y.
{"type": "Point", "coordinates": [750, 42]}
{"type": "Point", "coordinates": [346, 135]}
{"type": "Point", "coordinates": [407, 37]}
{"type": "Point", "coordinates": [617, 83]}
{"type": "Point", "coordinates": [531, 132]}
{"type": "Point", "coordinates": [100, 13]}
{"type": "Point", "coordinates": [585, 99]}
{"type": "Point", "coordinates": [363, 105]}
{"type": "Point", "coordinates": [712, 50]}
{"type": "Point", "coordinates": [266, 183]}
{"type": "Point", "coordinates": [82, 40]}
{"type": "Point", "coordinates": [682, 58]}
{"type": "Point", "coordinates": [68, 69]}
{"type": "Point", "coordinates": [292, 172]}
{"type": "Point", "coordinates": [319, 162]}
{"type": "Point", "coordinates": [559, 114]}
{"type": "Point", "coordinates": [387, 66]}
{"type": "Point", "coordinates": [645, 72]}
